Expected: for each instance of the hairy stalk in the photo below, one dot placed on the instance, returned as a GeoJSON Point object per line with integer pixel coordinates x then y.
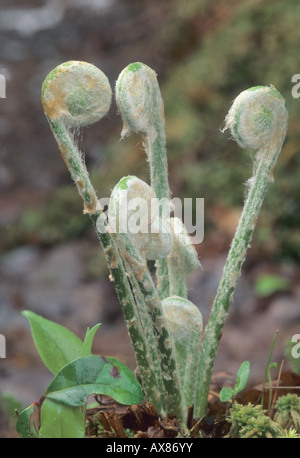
{"type": "Point", "coordinates": [135, 248]}
{"type": "Point", "coordinates": [140, 104]}
{"type": "Point", "coordinates": [68, 96]}
{"type": "Point", "coordinates": [258, 121]}
{"type": "Point", "coordinates": [147, 295]}
{"type": "Point", "coordinates": [128, 295]}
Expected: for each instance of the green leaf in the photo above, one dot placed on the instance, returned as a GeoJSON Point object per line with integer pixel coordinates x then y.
{"type": "Point", "coordinates": [56, 345]}
{"type": "Point", "coordinates": [242, 377]}
{"type": "Point", "coordinates": [268, 284]}
{"type": "Point", "coordinates": [24, 426]}
{"type": "Point", "coordinates": [226, 393]}
{"type": "Point", "coordinates": [61, 421]}
{"type": "Point", "coordinates": [88, 340]}
{"type": "Point", "coordinates": [94, 375]}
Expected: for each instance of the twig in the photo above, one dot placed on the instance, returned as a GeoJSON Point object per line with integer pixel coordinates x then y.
{"type": "Point", "coordinates": [276, 389]}
{"type": "Point", "coordinates": [267, 366]}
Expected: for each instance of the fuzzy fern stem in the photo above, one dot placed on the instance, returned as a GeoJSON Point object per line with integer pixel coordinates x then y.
{"type": "Point", "coordinates": [136, 247]}
{"type": "Point", "coordinates": [140, 104]}
{"type": "Point", "coordinates": [258, 121]}
{"type": "Point", "coordinates": [76, 94]}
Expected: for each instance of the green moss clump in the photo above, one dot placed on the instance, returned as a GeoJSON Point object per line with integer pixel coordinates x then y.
{"type": "Point", "coordinates": [250, 421]}
{"type": "Point", "coordinates": [288, 411]}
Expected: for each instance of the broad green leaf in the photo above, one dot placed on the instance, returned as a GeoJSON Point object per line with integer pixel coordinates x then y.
{"type": "Point", "coordinates": [94, 375]}
{"type": "Point", "coordinates": [56, 345]}
{"type": "Point", "coordinates": [88, 340]}
{"type": "Point", "coordinates": [24, 426]}
{"type": "Point", "coordinates": [61, 421]}
{"type": "Point", "coordinates": [242, 377]}
{"type": "Point", "coordinates": [226, 393]}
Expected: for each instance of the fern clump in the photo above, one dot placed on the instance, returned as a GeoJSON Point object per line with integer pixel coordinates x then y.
{"type": "Point", "coordinates": [175, 363]}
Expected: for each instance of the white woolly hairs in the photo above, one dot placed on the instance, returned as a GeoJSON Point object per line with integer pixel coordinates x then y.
{"type": "Point", "coordinates": [136, 90]}
{"type": "Point", "coordinates": [184, 317]}
{"type": "Point", "coordinates": [76, 93]}
{"type": "Point", "coordinates": [257, 117]}
{"type": "Point", "coordinates": [183, 257]}
{"type": "Point", "coordinates": [152, 238]}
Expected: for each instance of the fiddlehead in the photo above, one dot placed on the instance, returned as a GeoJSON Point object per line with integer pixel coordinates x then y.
{"type": "Point", "coordinates": [139, 101]}
{"type": "Point", "coordinates": [257, 120]}
{"type": "Point", "coordinates": [75, 94]}
{"type": "Point", "coordinates": [183, 259]}
{"type": "Point", "coordinates": [185, 323]}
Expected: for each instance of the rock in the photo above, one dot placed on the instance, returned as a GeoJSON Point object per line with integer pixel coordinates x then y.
{"type": "Point", "coordinates": [19, 261]}
{"type": "Point", "coordinates": [285, 311]}
{"type": "Point", "coordinates": [59, 267]}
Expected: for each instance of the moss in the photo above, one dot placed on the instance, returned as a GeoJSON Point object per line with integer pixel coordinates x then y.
{"type": "Point", "coordinates": [288, 411]}
{"type": "Point", "coordinates": [249, 421]}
